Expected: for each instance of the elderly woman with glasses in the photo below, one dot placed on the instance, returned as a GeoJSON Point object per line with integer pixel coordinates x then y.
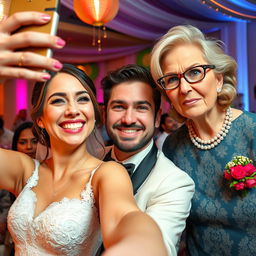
{"type": "Point", "coordinates": [199, 80]}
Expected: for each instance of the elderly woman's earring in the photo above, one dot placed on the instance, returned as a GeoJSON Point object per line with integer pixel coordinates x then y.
{"type": "Point", "coordinates": [219, 89]}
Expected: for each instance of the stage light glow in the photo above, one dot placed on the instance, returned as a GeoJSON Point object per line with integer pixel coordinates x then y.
{"type": "Point", "coordinates": [21, 94]}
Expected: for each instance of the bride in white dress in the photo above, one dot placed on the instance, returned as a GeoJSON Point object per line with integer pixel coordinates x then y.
{"type": "Point", "coordinates": [68, 201]}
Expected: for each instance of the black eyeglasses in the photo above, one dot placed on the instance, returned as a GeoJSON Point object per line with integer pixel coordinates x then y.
{"type": "Point", "coordinates": [192, 75]}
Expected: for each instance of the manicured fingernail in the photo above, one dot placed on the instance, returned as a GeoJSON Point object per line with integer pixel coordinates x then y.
{"type": "Point", "coordinates": [60, 42]}
{"type": "Point", "coordinates": [57, 65]}
{"type": "Point", "coordinates": [46, 77]}
{"type": "Point", "coordinates": [3, 18]}
{"type": "Point", "coordinates": [45, 17]}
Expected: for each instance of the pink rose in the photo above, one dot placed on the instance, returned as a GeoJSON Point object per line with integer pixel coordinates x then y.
{"type": "Point", "coordinates": [239, 186]}
{"type": "Point", "coordinates": [250, 183]}
{"type": "Point", "coordinates": [238, 172]}
{"type": "Point", "coordinates": [227, 175]}
{"type": "Point", "coordinates": [250, 169]}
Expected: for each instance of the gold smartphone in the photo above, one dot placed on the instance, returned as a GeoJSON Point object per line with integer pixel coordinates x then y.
{"type": "Point", "coordinates": [49, 7]}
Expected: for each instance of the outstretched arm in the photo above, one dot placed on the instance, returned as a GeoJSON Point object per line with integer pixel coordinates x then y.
{"type": "Point", "coordinates": [15, 169]}
{"type": "Point", "coordinates": [125, 229]}
{"type": "Point", "coordinates": [15, 62]}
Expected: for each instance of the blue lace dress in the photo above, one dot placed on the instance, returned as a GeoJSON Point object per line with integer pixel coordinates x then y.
{"type": "Point", "coordinates": [221, 222]}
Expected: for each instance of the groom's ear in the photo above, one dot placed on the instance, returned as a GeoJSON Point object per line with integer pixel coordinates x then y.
{"type": "Point", "coordinates": [158, 117]}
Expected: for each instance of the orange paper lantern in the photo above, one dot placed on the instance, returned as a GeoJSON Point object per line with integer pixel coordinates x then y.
{"type": "Point", "coordinates": [96, 13]}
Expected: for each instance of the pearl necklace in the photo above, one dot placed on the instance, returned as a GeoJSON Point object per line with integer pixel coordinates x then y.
{"type": "Point", "coordinates": [209, 144]}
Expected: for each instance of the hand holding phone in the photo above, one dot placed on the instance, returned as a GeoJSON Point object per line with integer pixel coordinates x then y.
{"type": "Point", "coordinates": [16, 61]}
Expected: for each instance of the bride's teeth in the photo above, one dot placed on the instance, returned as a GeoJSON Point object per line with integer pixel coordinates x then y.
{"type": "Point", "coordinates": [72, 126]}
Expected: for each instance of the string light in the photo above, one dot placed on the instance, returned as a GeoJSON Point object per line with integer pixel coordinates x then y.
{"type": "Point", "coordinates": [224, 10]}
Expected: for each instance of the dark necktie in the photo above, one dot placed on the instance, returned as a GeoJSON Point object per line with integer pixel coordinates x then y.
{"type": "Point", "coordinates": [129, 166]}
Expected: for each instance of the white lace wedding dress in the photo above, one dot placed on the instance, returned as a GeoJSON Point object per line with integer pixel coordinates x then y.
{"type": "Point", "coordinates": [67, 227]}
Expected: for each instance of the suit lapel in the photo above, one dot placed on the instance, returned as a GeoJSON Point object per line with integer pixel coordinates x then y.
{"type": "Point", "coordinates": [142, 171]}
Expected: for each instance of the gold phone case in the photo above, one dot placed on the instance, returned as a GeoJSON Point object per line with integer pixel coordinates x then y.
{"type": "Point", "coordinates": [47, 6]}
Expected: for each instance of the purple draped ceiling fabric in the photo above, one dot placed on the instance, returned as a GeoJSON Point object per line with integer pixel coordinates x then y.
{"type": "Point", "coordinates": [138, 24]}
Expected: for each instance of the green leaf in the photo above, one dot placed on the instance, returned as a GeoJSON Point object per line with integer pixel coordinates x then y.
{"type": "Point", "coordinates": [233, 183]}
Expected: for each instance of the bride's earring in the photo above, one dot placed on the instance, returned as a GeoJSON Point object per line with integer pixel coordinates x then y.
{"type": "Point", "coordinates": [219, 90]}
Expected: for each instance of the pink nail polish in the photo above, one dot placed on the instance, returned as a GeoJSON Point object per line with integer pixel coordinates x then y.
{"type": "Point", "coordinates": [46, 77]}
{"type": "Point", "coordinates": [60, 42]}
{"type": "Point", "coordinates": [45, 17]}
{"type": "Point", "coordinates": [57, 65]}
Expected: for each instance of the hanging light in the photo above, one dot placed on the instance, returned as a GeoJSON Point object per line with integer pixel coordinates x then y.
{"type": "Point", "coordinates": [96, 13]}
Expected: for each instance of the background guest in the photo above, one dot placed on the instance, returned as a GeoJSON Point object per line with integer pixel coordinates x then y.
{"type": "Point", "coordinates": [24, 140]}
{"type": "Point", "coordinates": [5, 135]}
{"type": "Point", "coordinates": [20, 118]}
{"type": "Point", "coordinates": [166, 127]}
{"type": "Point", "coordinates": [200, 82]}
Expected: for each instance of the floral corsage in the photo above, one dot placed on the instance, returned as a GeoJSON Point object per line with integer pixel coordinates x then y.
{"type": "Point", "coordinates": [241, 174]}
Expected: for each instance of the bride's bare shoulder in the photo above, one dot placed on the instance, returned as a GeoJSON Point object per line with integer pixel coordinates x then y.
{"type": "Point", "coordinates": [111, 165]}
{"type": "Point", "coordinates": [109, 169]}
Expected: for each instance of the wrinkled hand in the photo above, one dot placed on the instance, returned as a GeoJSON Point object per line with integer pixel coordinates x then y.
{"type": "Point", "coordinates": [16, 64]}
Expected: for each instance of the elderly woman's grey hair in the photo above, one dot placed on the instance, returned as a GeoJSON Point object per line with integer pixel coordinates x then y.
{"type": "Point", "coordinates": [213, 54]}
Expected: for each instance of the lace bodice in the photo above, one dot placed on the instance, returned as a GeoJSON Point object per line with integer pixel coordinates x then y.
{"type": "Point", "coordinates": [67, 227]}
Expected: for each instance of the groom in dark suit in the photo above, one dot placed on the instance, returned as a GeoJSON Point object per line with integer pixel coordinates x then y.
{"type": "Point", "coordinates": [161, 189]}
